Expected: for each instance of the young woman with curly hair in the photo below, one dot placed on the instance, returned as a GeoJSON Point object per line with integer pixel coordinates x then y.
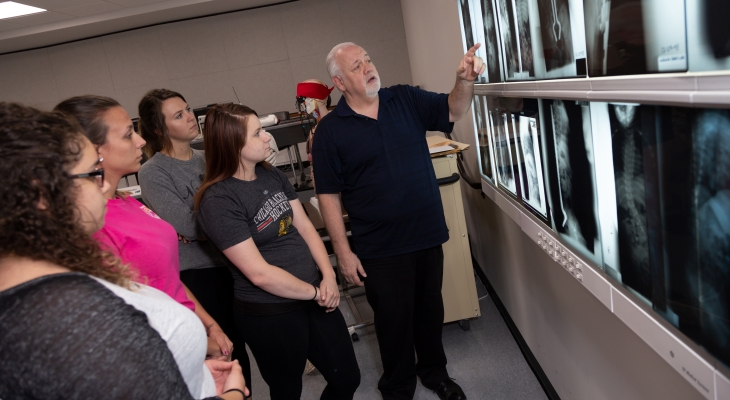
{"type": "Point", "coordinates": [70, 320]}
{"type": "Point", "coordinates": [132, 231]}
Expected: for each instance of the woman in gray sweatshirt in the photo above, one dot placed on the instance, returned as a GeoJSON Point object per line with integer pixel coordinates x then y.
{"type": "Point", "coordinates": [169, 180]}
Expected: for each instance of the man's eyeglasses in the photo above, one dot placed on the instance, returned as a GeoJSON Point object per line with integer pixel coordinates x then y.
{"type": "Point", "coordinates": [97, 175]}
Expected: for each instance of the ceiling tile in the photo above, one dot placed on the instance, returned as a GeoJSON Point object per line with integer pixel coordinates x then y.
{"type": "Point", "coordinates": [55, 4]}
{"type": "Point", "coordinates": [91, 9]}
{"type": "Point", "coordinates": [134, 3]}
{"type": "Point", "coordinates": [40, 18]}
{"type": "Point", "coordinates": [6, 25]}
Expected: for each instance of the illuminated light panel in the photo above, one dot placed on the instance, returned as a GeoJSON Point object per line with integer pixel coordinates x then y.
{"type": "Point", "coordinates": [10, 9]}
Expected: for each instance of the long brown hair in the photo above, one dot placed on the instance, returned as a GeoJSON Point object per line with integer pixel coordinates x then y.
{"type": "Point", "coordinates": [152, 126]}
{"type": "Point", "coordinates": [37, 149]}
{"type": "Point", "coordinates": [224, 135]}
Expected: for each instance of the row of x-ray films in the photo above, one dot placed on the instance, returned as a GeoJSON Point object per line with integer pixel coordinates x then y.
{"type": "Point", "coordinates": [641, 190]}
{"type": "Point", "coordinates": [543, 39]}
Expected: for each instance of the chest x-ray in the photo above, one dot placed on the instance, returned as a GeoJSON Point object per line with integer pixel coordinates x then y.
{"type": "Point", "coordinates": [568, 149]}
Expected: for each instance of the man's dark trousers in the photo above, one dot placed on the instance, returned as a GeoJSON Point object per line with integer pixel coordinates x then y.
{"type": "Point", "coordinates": [405, 294]}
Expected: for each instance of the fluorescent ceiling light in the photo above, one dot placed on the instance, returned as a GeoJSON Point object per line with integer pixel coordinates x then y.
{"type": "Point", "coordinates": [10, 9]}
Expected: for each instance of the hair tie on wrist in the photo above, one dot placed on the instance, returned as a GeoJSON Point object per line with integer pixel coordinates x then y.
{"type": "Point", "coordinates": [235, 390]}
{"type": "Point", "coordinates": [315, 292]}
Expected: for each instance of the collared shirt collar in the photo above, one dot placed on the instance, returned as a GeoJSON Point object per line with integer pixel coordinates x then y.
{"type": "Point", "coordinates": [343, 109]}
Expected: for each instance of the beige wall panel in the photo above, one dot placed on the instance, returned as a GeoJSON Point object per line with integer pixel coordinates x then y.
{"type": "Point", "coordinates": [129, 97]}
{"type": "Point", "coordinates": [313, 67]}
{"type": "Point", "coordinates": [365, 22]}
{"type": "Point", "coordinates": [266, 88]}
{"type": "Point", "coordinates": [27, 78]}
{"type": "Point", "coordinates": [81, 68]}
{"type": "Point", "coordinates": [253, 37]}
{"type": "Point", "coordinates": [205, 89]}
{"type": "Point", "coordinates": [391, 59]}
{"type": "Point", "coordinates": [135, 58]}
{"type": "Point", "coordinates": [311, 26]}
{"type": "Point", "coordinates": [193, 47]}
{"type": "Point", "coordinates": [48, 106]}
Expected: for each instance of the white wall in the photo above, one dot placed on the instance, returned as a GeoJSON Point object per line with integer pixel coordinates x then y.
{"type": "Point", "coordinates": [262, 52]}
{"type": "Point", "coordinates": [586, 352]}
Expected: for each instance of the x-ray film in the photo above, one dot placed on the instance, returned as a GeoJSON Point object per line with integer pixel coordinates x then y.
{"type": "Point", "coordinates": [626, 37]}
{"type": "Point", "coordinates": [467, 26]}
{"type": "Point", "coordinates": [562, 34]}
{"type": "Point", "coordinates": [503, 151]}
{"type": "Point", "coordinates": [533, 189]}
{"type": "Point", "coordinates": [708, 34]}
{"type": "Point", "coordinates": [482, 130]}
{"type": "Point", "coordinates": [490, 42]}
{"type": "Point", "coordinates": [516, 39]}
{"type": "Point", "coordinates": [709, 281]}
{"type": "Point", "coordinates": [569, 164]}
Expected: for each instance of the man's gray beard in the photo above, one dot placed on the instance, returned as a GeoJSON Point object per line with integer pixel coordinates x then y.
{"type": "Point", "coordinates": [371, 92]}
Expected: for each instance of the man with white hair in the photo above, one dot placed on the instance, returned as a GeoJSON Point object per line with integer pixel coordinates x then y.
{"type": "Point", "coordinates": [372, 150]}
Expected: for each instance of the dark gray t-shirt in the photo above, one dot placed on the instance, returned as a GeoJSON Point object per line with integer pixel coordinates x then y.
{"type": "Point", "coordinates": [233, 211]}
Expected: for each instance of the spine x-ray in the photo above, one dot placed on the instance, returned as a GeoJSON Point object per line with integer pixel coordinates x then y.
{"type": "Point", "coordinates": [635, 37]}
{"type": "Point", "coordinates": [473, 32]}
{"type": "Point", "coordinates": [491, 44]}
{"type": "Point", "coordinates": [568, 149]}
{"type": "Point", "coordinates": [533, 192]}
{"type": "Point", "coordinates": [710, 281]}
{"type": "Point", "coordinates": [482, 136]}
{"type": "Point", "coordinates": [503, 151]}
{"type": "Point", "coordinates": [516, 41]}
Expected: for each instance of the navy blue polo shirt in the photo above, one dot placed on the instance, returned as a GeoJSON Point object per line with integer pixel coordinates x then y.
{"type": "Point", "coordinates": [383, 170]}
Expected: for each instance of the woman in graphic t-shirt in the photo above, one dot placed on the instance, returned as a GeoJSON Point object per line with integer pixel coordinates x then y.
{"type": "Point", "coordinates": [285, 292]}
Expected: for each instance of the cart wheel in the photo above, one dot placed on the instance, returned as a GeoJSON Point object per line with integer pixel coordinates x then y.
{"type": "Point", "coordinates": [464, 324]}
{"type": "Point", "coordinates": [355, 338]}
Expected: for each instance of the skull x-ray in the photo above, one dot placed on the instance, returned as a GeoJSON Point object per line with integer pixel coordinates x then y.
{"type": "Point", "coordinates": [568, 149]}
{"type": "Point", "coordinates": [533, 189]}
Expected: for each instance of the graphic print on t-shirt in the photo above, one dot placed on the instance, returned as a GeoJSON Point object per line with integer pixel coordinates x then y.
{"type": "Point", "coordinates": [284, 225]}
{"type": "Point", "coordinates": [149, 212]}
{"type": "Point", "coordinates": [271, 210]}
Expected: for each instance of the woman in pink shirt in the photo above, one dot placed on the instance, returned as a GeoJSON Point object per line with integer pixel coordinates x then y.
{"type": "Point", "coordinates": [132, 231]}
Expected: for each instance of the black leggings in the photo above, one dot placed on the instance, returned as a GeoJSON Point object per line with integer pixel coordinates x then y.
{"type": "Point", "coordinates": [282, 343]}
{"type": "Point", "coordinates": [213, 287]}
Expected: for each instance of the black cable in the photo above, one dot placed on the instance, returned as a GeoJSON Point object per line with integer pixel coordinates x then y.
{"type": "Point", "coordinates": [462, 170]}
